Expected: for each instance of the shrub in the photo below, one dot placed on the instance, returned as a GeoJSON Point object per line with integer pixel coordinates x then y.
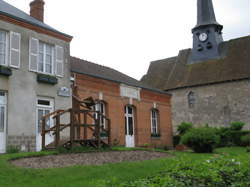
{"type": "Point", "coordinates": [12, 149]}
{"type": "Point", "coordinates": [237, 125]}
{"type": "Point", "coordinates": [184, 127]}
{"type": "Point", "coordinates": [245, 140]}
{"type": "Point", "coordinates": [219, 171]}
{"type": "Point", "coordinates": [201, 140]}
{"type": "Point", "coordinates": [176, 140]}
{"type": "Point", "coordinates": [229, 137]}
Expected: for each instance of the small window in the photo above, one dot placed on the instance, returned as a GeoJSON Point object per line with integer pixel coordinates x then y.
{"type": "Point", "coordinates": [191, 100]}
{"type": "Point", "coordinates": [45, 62]}
{"type": "Point", "coordinates": [3, 48]}
{"type": "Point", "coordinates": [43, 102]}
{"type": "Point", "coordinates": [154, 122]}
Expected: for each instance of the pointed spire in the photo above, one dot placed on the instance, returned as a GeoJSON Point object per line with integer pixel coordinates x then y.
{"type": "Point", "coordinates": [206, 15]}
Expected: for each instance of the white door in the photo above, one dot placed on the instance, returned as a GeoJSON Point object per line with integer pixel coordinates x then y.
{"type": "Point", "coordinates": [129, 127]}
{"type": "Point", "coordinates": [44, 107]}
{"type": "Point", "coordinates": [3, 115]}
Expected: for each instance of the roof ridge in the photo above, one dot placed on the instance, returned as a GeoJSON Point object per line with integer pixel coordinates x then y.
{"type": "Point", "coordinates": [103, 66]}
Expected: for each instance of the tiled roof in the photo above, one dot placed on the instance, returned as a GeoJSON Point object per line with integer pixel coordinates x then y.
{"type": "Point", "coordinates": [174, 73]}
{"type": "Point", "coordinates": [11, 11]}
{"type": "Point", "coordinates": [103, 72]}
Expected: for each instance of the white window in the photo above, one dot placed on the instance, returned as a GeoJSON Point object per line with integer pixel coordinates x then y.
{"type": "Point", "coordinates": [101, 108]}
{"type": "Point", "coordinates": [154, 121]}
{"type": "Point", "coordinates": [3, 48]}
{"type": "Point", "coordinates": [10, 45]}
{"type": "Point", "coordinates": [45, 62]}
{"type": "Point", "coordinates": [46, 58]}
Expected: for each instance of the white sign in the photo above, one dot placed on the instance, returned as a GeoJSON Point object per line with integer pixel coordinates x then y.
{"type": "Point", "coordinates": [130, 92]}
{"type": "Point", "coordinates": [64, 91]}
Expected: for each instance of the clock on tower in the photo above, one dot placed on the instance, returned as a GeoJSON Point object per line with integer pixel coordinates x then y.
{"type": "Point", "coordinates": [207, 34]}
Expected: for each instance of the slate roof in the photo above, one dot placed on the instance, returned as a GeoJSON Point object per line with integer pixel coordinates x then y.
{"type": "Point", "coordinates": [11, 11]}
{"type": "Point", "coordinates": [174, 73]}
{"type": "Point", "coordinates": [106, 73]}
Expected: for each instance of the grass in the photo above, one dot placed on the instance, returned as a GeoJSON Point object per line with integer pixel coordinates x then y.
{"type": "Point", "coordinates": [89, 176]}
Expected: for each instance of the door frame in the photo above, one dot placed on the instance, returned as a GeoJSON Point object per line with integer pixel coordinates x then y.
{"type": "Point", "coordinates": [4, 104]}
{"type": "Point", "coordinates": [42, 107]}
{"type": "Point", "coordinates": [127, 115]}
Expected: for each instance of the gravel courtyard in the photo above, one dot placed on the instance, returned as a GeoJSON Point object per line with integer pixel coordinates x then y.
{"type": "Point", "coordinates": [93, 158]}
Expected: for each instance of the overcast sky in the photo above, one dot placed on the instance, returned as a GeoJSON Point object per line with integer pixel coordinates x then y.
{"type": "Point", "coordinates": [128, 34]}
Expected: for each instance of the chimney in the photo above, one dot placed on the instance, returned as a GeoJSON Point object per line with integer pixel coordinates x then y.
{"type": "Point", "coordinates": [37, 9]}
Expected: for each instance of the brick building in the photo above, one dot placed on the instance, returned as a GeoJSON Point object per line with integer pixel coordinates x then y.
{"type": "Point", "coordinates": [140, 115]}
{"type": "Point", "coordinates": [210, 82]}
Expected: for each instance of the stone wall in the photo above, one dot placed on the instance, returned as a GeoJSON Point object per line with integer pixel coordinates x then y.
{"type": "Point", "coordinates": [23, 143]}
{"type": "Point", "coordinates": [217, 105]}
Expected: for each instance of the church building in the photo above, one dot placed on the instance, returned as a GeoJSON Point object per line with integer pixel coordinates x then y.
{"type": "Point", "coordinates": [210, 83]}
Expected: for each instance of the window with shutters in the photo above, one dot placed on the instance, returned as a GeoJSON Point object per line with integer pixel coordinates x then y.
{"type": "Point", "coordinates": [3, 48]}
{"type": "Point", "coordinates": [10, 45]}
{"type": "Point", "coordinates": [46, 58]}
{"type": "Point", "coordinates": [154, 121]}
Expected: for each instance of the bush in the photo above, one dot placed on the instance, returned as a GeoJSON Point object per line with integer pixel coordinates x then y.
{"type": "Point", "coordinates": [184, 127]}
{"type": "Point", "coordinates": [176, 140]}
{"type": "Point", "coordinates": [201, 140]}
{"type": "Point", "coordinates": [245, 140]}
{"type": "Point", "coordinates": [229, 137]}
{"type": "Point", "coordinates": [12, 149]}
{"type": "Point", "coordinates": [237, 125]}
{"type": "Point", "coordinates": [216, 172]}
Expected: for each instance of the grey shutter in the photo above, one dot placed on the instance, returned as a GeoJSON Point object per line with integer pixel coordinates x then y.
{"type": "Point", "coordinates": [34, 49]}
{"type": "Point", "coordinates": [15, 49]}
{"type": "Point", "coordinates": [59, 61]}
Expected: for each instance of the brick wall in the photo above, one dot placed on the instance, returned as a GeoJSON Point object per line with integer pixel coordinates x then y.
{"type": "Point", "coordinates": [110, 91]}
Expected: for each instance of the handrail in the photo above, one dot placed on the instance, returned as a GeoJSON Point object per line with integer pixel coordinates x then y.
{"type": "Point", "coordinates": [77, 114]}
{"type": "Point", "coordinates": [52, 113]}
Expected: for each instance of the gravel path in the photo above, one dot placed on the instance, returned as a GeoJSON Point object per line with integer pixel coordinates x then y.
{"type": "Point", "coordinates": [95, 158]}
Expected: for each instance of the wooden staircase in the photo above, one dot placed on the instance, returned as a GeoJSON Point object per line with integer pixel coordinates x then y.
{"type": "Point", "coordinates": [81, 131]}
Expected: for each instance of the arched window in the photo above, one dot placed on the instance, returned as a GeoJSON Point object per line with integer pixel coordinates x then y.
{"type": "Point", "coordinates": [101, 107]}
{"type": "Point", "coordinates": [154, 122]}
{"type": "Point", "coordinates": [191, 99]}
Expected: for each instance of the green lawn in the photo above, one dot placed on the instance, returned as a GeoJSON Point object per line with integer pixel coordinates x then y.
{"type": "Point", "coordinates": [88, 176]}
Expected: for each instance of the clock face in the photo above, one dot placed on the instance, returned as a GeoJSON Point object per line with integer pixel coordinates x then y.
{"type": "Point", "coordinates": [203, 37]}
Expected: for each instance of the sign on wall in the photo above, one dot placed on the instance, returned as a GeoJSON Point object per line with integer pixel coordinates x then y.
{"type": "Point", "coordinates": [130, 92]}
{"type": "Point", "coordinates": [64, 91]}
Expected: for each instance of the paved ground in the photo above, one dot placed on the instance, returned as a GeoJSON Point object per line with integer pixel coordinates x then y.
{"type": "Point", "coordinates": [95, 158]}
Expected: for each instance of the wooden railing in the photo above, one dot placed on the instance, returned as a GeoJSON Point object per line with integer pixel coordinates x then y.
{"type": "Point", "coordinates": [78, 123]}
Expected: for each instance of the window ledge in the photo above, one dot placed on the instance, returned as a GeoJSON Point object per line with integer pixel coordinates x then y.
{"type": "Point", "coordinates": [49, 79]}
{"type": "Point", "coordinates": [5, 71]}
{"type": "Point", "coordinates": [155, 136]}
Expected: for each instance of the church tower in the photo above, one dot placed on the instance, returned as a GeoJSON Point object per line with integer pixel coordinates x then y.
{"type": "Point", "coordinates": [207, 34]}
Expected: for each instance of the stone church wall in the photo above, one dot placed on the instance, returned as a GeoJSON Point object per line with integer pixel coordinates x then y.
{"type": "Point", "coordinates": [216, 105]}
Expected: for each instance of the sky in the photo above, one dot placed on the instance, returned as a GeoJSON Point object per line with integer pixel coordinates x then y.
{"type": "Point", "coordinates": [128, 34]}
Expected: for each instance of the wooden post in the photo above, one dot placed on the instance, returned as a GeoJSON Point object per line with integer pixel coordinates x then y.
{"type": "Point", "coordinates": [71, 126]}
{"type": "Point", "coordinates": [85, 127]}
{"type": "Point", "coordinates": [57, 138]}
{"type": "Point", "coordinates": [98, 129]}
{"type": "Point", "coordinates": [43, 133]}
{"type": "Point", "coordinates": [109, 132]}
